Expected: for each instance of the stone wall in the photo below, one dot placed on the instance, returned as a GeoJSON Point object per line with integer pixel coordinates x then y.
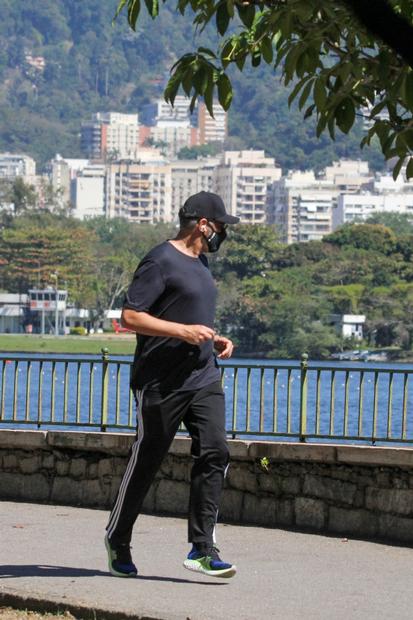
{"type": "Point", "coordinates": [348, 490]}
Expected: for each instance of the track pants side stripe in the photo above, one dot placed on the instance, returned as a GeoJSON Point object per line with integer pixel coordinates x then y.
{"type": "Point", "coordinates": [114, 517]}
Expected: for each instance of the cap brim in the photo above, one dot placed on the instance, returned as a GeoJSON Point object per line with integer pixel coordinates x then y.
{"type": "Point", "coordinates": [227, 219]}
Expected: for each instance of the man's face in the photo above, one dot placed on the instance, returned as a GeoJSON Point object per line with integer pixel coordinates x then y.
{"type": "Point", "coordinates": [214, 234]}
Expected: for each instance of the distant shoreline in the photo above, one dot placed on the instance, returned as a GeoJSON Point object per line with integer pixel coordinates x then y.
{"type": "Point", "coordinates": [123, 344]}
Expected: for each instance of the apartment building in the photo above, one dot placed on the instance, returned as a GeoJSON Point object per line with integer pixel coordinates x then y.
{"type": "Point", "coordinates": [152, 113]}
{"type": "Point", "coordinates": [212, 129]}
{"type": "Point", "coordinates": [303, 203]}
{"type": "Point", "coordinates": [170, 136]}
{"type": "Point", "coordinates": [88, 191]}
{"type": "Point", "coordinates": [244, 180]}
{"type": "Point", "coordinates": [141, 192]}
{"type": "Point", "coordinates": [14, 165]}
{"type": "Point", "coordinates": [110, 135]}
{"type": "Point", "coordinates": [383, 195]}
{"type": "Point", "coordinates": [190, 177]}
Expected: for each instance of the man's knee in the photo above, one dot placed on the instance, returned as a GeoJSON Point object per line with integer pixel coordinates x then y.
{"type": "Point", "coordinates": [219, 454]}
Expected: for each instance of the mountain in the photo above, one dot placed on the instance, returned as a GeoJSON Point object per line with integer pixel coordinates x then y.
{"type": "Point", "coordinates": [62, 60]}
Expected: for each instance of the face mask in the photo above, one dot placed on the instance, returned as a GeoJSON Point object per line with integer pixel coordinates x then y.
{"type": "Point", "coordinates": [215, 239]}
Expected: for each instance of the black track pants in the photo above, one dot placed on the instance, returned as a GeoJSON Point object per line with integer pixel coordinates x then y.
{"type": "Point", "coordinates": [158, 419]}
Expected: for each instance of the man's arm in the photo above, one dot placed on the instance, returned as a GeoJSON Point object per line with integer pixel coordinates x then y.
{"type": "Point", "coordinates": [148, 325]}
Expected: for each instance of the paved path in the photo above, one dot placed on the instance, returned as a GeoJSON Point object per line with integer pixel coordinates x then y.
{"type": "Point", "coordinates": [56, 553]}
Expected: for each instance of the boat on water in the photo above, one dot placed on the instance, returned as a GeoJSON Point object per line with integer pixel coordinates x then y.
{"type": "Point", "coordinates": [361, 356]}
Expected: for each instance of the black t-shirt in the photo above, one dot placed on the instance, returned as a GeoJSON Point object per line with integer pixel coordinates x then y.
{"type": "Point", "coordinates": [173, 286]}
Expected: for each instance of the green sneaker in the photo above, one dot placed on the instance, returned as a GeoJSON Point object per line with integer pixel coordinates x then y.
{"type": "Point", "coordinates": [120, 560]}
{"type": "Point", "coordinates": [209, 563]}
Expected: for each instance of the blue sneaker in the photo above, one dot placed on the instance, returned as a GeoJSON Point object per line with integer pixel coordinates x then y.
{"type": "Point", "coordinates": [209, 563]}
{"type": "Point", "coordinates": [120, 560]}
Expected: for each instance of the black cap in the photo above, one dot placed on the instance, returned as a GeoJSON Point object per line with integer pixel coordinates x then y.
{"type": "Point", "coordinates": [208, 205]}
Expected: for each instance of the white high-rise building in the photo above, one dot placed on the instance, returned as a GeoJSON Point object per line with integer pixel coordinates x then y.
{"type": "Point", "coordinates": [170, 136]}
{"type": "Point", "coordinates": [88, 192]}
{"type": "Point", "coordinates": [212, 129]}
{"type": "Point", "coordinates": [190, 177]}
{"type": "Point", "coordinates": [383, 195]}
{"type": "Point", "coordinates": [14, 165]}
{"type": "Point", "coordinates": [244, 180]}
{"type": "Point", "coordinates": [158, 110]}
{"type": "Point", "coordinates": [141, 192]}
{"type": "Point", "coordinates": [303, 204]}
{"type": "Point", "coordinates": [111, 135]}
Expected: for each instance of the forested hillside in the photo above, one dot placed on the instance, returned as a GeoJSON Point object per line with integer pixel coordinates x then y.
{"type": "Point", "coordinates": [91, 65]}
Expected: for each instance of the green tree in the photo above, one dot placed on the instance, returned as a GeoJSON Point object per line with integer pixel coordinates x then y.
{"type": "Point", "coordinates": [374, 237]}
{"type": "Point", "coordinates": [250, 250]}
{"type": "Point", "coordinates": [36, 246]}
{"type": "Point", "coordinates": [203, 150]}
{"type": "Point", "coordinates": [399, 223]}
{"type": "Point", "coordinates": [340, 58]}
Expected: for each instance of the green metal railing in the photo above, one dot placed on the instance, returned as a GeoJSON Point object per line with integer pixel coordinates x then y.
{"type": "Point", "coordinates": [301, 401]}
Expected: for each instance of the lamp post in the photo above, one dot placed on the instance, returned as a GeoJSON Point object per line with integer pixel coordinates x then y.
{"type": "Point", "coordinates": [56, 319]}
{"type": "Point", "coordinates": [38, 288]}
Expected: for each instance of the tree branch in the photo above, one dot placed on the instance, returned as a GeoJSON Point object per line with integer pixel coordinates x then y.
{"type": "Point", "coordinates": [379, 18]}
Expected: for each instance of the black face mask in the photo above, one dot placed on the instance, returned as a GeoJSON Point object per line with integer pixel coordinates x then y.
{"type": "Point", "coordinates": [215, 239]}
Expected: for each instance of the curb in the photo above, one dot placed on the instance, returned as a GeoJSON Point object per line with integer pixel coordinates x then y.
{"type": "Point", "coordinates": [40, 604]}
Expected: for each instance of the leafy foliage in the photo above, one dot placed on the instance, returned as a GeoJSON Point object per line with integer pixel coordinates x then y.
{"type": "Point", "coordinates": [274, 300]}
{"type": "Point", "coordinates": [91, 65]}
{"type": "Point", "coordinates": [338, 58]}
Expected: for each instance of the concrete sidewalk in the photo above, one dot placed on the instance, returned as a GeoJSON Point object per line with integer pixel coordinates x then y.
{"type": "Point", "coordinates": [56, 554]}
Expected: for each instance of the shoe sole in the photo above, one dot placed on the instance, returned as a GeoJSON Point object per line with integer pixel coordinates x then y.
{"type": "Point", "coordinates": [114, 572]}
{"type": "Point", "coordinates": [195, 566]}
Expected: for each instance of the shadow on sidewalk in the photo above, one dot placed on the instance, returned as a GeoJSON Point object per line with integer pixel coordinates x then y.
{"type": "Point", "coordinates": [45, 570]}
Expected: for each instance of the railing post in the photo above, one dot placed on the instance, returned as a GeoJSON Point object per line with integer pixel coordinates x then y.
{"type": "Point", "coordinates": [105, 381]}
{"type": "Point", "coordinates": [303, 396]}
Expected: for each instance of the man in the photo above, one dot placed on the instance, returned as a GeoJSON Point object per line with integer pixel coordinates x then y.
{"type": "Point", "coordinates": [171, 307]}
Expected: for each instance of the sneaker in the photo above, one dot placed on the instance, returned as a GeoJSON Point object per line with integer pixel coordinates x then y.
{"type": "Point", "coordinates": [120, 560]}
{"type": "Point", "coordinates": [209, 563]}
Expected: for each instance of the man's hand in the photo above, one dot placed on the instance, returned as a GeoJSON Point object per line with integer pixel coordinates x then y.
{"type": "Point", "coordinates": [197, 334]}
{"type": "Point", "coordinates": [224, 347]}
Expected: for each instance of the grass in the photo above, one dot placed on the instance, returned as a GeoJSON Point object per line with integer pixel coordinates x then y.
{"type": "Point", "coordinates": [22, 343]}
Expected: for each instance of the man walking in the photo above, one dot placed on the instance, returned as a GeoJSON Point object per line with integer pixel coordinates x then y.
{"type": "Point", "coordinates": [170, 305]}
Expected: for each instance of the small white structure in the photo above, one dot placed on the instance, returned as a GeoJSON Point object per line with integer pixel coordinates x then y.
{"type": "Point", "coordinates": [349, 325]}
{"type": "Point", "coordinates": [12, 313]}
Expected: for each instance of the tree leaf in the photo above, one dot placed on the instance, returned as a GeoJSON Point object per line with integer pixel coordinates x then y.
{"type": "Point", "coordinates": [305, 94]}
{"type": "Point", "coordinates": [397, 168]}
{"type": "Point", "coordinates": [319, 94]}
{"type": "Point", "coordinates": [246, 14]}
{"type": "Point", "coordinates": [256, 59]}
{"type": "Point", "coordinates": [224, 91]}
{"type": "Point", "coordinates": [267, 50]}
{"type": "Point", "coordinates": [345, 115]}
{"type": "Point", "coordinates": [409, 168]}
{"type": "Point", "coordinates": [296, 90]}
{"type": "Point", "coordinates": [134, 8]}
{"type": "Point", "coordinates": [408, 90]}
{"type": "Point", "coordinates": [206, 51]}
{"type": "Point", "coordinates": [153, 7]}
{"type": "Point", "coordinates": [200, 80]}
{"type": "Point", "coordinates": [309, 111]}
{"type": "Point", "coordinates": [209, 94]}
{"type": "Point", "coordinates": [121, 4]}
{"type": "Point", "coordinates": [222, 18]}
{"type": "Point", "coordinates": [172, 88]}
{"type": "Point", "coordinates": [230, 7]}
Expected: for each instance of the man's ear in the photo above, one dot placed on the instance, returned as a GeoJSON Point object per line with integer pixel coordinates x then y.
{"type": "Point", "coordinates": [202, 224]}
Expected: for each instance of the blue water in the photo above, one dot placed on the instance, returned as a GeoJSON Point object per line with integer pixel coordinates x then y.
{"type": "Point", "coordinates": [84, 405]}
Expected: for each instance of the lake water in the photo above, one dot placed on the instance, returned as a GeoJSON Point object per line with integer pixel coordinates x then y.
{"type": "Point", "coordinates": [272, 404]}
